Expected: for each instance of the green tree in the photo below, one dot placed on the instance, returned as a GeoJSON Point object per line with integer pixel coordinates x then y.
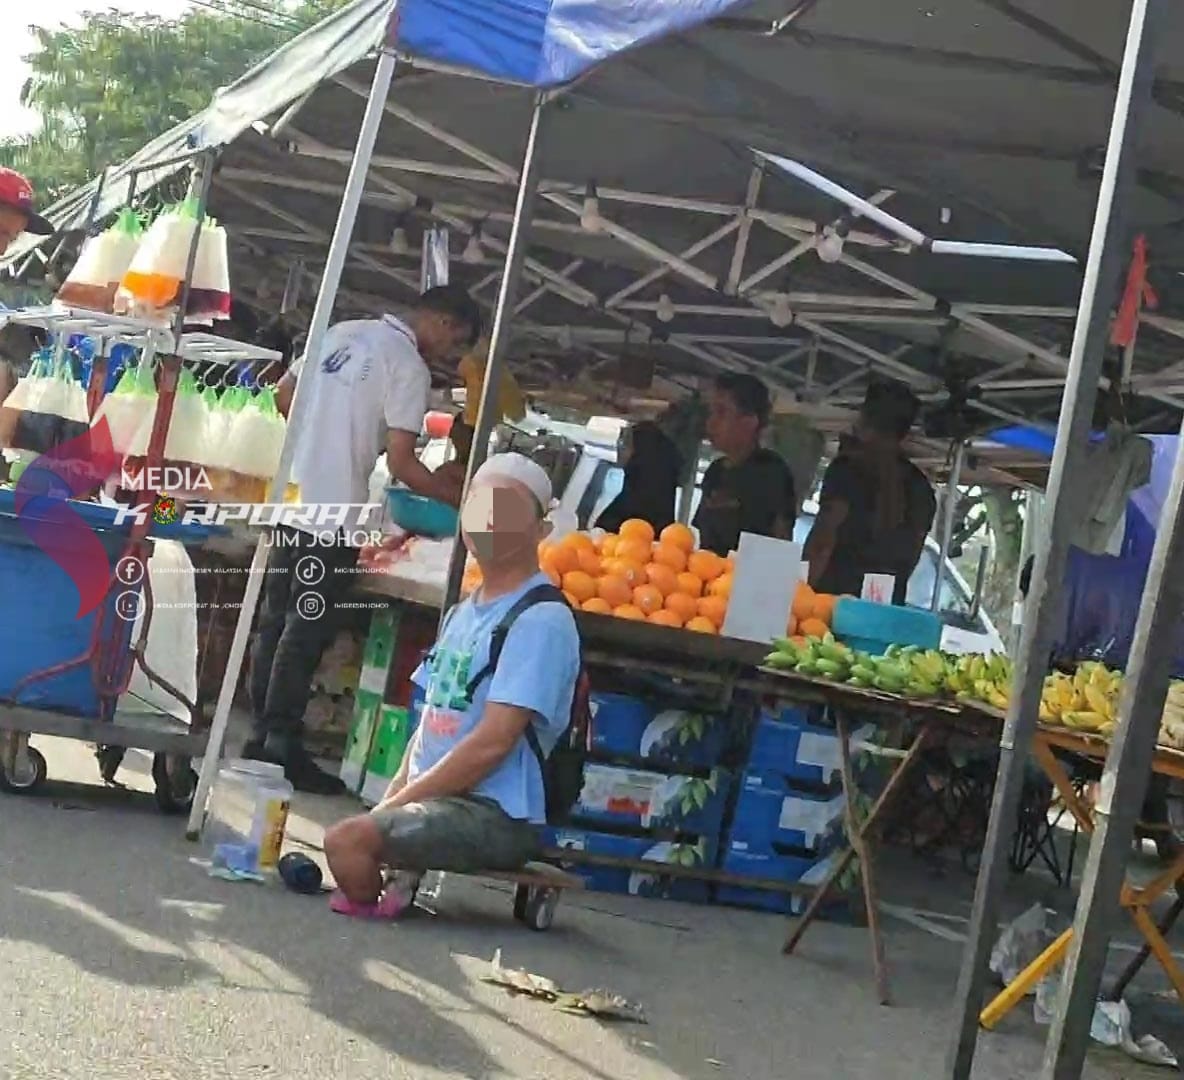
{"type": "Point", "coordinates": [103, 87]}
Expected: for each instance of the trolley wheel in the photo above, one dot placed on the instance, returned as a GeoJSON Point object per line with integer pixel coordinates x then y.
{"type": "Point", "coordinates": [539, 910]}
{"type": "Point", "coordinates": [29, 778]}
{"type": "Point", "coordinates": [176, 784]}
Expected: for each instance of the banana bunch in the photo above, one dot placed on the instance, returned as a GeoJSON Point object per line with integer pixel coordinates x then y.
{"type": "Point", "coordinates": [976, 677]}
{"type": "Point", "coordinates": [1087, 700]}
{"type": "Point", "coordinates": [1171, 724]}
{"type": "Point", "coordinates": [818, 657]}
{"type": "Point", "coordinates": [909, 671]}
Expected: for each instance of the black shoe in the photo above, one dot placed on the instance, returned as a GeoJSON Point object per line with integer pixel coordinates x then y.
{"type": "Point", "coordinates": [304, 774]}
{"type": "Point", "coordinates": [254, 750]}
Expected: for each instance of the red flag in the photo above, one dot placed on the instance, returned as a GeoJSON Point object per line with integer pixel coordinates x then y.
{"type": "Point", "coordinates": [1137, 295]}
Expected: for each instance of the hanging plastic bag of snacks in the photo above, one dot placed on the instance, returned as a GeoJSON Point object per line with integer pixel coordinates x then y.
{"type": "Point", "coordinates": [127, 407]}
{"type": "Point", "coordinates": [209, 292]}
{"type": "Point", "coordinates": [102, 264]}
{"type": "Point", "coordinates": [253, 449]}
{"type": "Point", "coordinates": [153, 281]}
{"type": "Point", "coordinates": [227, 484]}
{"type": "Point", "coordinates": [32, 428]}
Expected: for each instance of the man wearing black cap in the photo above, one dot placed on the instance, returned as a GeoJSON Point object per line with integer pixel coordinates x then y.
{"type": "Point", "coordinates": [16, 210]}
{"type": "Point", "coordinates": [876, 506]}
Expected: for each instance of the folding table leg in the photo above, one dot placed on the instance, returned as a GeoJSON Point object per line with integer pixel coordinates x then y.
{"type": "Point", "coordinates": [866, 828]}
{"type": "Point", "coordinates": [863, 843]}
{"type": "Point", "coordinates": [1159, 948]}
{"type": "Point", "coordinates": [1135, 966]}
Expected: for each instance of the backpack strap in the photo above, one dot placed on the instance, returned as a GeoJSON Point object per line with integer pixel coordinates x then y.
{"type": "Point", "coordinates": [540, 594]}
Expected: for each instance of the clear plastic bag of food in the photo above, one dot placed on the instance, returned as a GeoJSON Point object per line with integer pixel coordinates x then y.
{"type": "Point", "coordinates": [209, 291]}
{"type": "Point", "coordinates": [104, 260]}
{"type": "Point", "coordinates": [127, 407]}
{"type": "Point", "coordinates": [33, 428]}
{"type": "Point", "coordinates": [153, 280]}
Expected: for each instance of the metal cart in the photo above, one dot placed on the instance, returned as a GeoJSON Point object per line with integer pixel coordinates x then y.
{"type": "Point", "coordinates": [111, 656]}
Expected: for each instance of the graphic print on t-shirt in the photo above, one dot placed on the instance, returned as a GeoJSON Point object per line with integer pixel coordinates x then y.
{"type": "Point", "coordinates": [447, 697]}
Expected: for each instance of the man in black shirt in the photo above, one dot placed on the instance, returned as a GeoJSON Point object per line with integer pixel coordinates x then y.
{"type": "Point", "coordinates": [876, 506]}
{"type": "Point", "coordinates": [749, 488]}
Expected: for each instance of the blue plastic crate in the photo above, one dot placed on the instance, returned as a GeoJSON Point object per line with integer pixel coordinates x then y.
{"type": "Point", "coordinates": [640, 798]}
{"type": "Point", "coordinates": [772, 813]}
{"type": "Point", "coordinates": [872, 628]}
{"type": "Point", "coordinates": [38, 624]}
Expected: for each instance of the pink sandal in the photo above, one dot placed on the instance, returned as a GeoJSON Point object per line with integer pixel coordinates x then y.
{"type": "Point", "coordinates": [392, 902]}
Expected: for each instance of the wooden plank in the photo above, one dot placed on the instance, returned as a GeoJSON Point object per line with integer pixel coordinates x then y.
{"type": "Point", "coordinates": [692, 873]}
{"type": "Point", "coordinates": [540, 875]}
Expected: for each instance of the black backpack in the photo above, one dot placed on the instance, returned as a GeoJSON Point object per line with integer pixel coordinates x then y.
{"type": "Point", "coordinates": [563, 768]}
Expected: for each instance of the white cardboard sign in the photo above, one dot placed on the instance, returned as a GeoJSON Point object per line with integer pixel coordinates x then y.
{"type": "Point", "coordinates": [878, 588]}
{"type": "Point", "coordinates": [763, 587]}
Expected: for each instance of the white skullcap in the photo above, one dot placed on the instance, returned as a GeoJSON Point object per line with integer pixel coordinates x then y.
{"type": "Point", "coordinates": [521, 469]}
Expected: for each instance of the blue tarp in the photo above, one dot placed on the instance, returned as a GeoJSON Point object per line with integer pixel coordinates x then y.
{"type": "Point", "coordinates": [1102, 592]}
{"type": "Point", "coordinates": [541, 42]}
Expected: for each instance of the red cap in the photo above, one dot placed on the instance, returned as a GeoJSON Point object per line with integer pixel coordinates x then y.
{"type": "Point", "coordinates": [16, 192]}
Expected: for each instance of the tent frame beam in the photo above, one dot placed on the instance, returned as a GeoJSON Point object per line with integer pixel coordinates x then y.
{"type": "Point", "coordinates": [1109, 244]}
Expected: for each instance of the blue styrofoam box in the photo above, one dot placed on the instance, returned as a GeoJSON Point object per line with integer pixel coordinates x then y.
{"type": "Point", "coordinates": [684, 738]}
{"type": "Point", "coordinates": [772, 867]}
{"type": "Point", "coordinates": [872, 628]}
{"type": "Point", "coordinates": [640, 798]}
{"type": "Point", "coordinates": [634, 882]}
{"type": "Point", "coordinates": [788, 744]}
{"type": "Point", "coordinates": [618, 723]}
{"type": "Point", "coordinates": [38, 624]}
{"type": "Point", "coordinates": [599, 878]}
{"type": "Point", "coordinates": [772, 813]}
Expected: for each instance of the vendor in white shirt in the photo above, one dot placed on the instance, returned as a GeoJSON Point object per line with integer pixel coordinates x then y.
{"type": "Point", "coordinates": [369, 395]}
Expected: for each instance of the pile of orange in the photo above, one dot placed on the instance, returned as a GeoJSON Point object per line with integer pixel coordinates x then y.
{"type": "Point", "coordinates": [811, 614]}
{"type": "Point", "coordinates": [636, 575]}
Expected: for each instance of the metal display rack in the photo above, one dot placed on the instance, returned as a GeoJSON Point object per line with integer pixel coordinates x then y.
{"type": "Point", "coordinates": [112, 660]}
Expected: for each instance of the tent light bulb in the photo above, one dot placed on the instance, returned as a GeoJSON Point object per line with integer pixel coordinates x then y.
{"type": "Point", "coordinates": [782, 314]}
{"type": "Point", "coordinates": [830, 247]}
{"type": "Point", "coordinates": [565, 339]}
{"type": "Point", "coordinates": [665, 310]}
{"type": "Point", "coordinates": [473, 252]}
{"type": "Point", "coordinates": [399, 244]}
{"type": "Point", "coordinates": [590, 214]}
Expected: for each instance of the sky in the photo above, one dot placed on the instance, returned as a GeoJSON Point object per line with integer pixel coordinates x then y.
{"type": "Point", "coordinates": [13, 119]}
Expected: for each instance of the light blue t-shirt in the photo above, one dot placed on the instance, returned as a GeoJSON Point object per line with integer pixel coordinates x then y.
{"type": "Point", "coordinates": [538, 669]}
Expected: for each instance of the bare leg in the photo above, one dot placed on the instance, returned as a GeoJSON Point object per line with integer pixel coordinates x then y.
{"type": "Point", "coordinates": [354, 850]}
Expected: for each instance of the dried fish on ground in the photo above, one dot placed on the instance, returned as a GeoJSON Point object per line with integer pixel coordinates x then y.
{"type": "Point", "coordinates": [603, 1004]}
{"type": "Point", "coordinates": [520, 982]}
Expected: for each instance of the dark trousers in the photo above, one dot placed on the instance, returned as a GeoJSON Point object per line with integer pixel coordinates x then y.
{"type": "Point", "coordinates": [305, 585]}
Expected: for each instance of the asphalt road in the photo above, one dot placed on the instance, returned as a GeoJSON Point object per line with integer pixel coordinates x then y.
{"type": "Point", "coordinates": [121, 958]}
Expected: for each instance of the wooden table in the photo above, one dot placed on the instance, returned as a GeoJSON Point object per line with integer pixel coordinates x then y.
{"type": "Point", "coordinates": [931, 722]}
{"type": "Point", "coordinates": [1136, 900]}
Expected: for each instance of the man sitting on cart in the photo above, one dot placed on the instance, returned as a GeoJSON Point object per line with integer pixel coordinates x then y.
{"type": "Point", "coordinates": [470, 793]}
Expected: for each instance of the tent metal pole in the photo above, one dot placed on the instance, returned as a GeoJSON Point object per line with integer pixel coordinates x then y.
{"type": "Point", "coordinates": [1123, 788]}
{"type": "Point", "coordinates": [1107, 255]}
{"type": "Point", "coordinates": [326, 297]}
{"type": "Point", "coordinates": [503, 314]}
{"type": "Point", "coordinates": [947, 520]}
{"type": "Point", "coordinates": [751, 195]}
